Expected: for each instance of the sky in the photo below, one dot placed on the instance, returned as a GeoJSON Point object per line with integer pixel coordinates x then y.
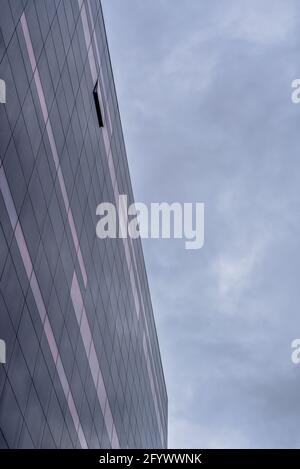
{"type": "Point", "coordinates": [204, 90]}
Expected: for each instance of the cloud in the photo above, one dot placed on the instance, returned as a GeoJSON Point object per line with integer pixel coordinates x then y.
{"type": "Point", "coordinates": [187, 434]}
{"type": "Point", "coordinates": [190, 65]}
{"type": "Point", "coordinates": [234, 274]}
{"type": "Point", "coordinates": [264, 23]}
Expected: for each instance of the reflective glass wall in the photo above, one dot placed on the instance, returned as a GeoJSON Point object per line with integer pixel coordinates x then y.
{"type": "Point", "coordinates": [82, 366]}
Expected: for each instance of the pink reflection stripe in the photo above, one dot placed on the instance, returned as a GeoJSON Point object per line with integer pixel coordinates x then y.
{"type": "Point", "coordinates": [73, 411]}
{"type": "Point", "coordinates": [77, 247]}
{"type": "Point", "coordinates": [76, 298]}
{"type": "Point", "coordinates": [62, 375]}
{"type": "Point", "coordinates": [108, 419]}
{"type": "Point", "coordinates": [93, 364]}
{"type": "Point", "coordinates": [23, 249]}
{"type": "Point", "coordinates": [10, 206]}
{"type": "Point", "coordinates": [38, 297]}
{"type": "Point", "coordinates": [28, 42]}
{"type": "Point", "coordinates": [73, 230]}
{"type": "Point", "coordinates": [101, 392]}
{"type": "Point", "coordinates": [82, 266]}
{"type": "Point", "coordinates": [24, 252]}
{"type": "Point", "coordinates": [53, 147]}
{"type": "Point", "coordinates": [106, 142]}
{"type": "Point", "coordinates": [93, 360]}
{"type": "Point", "coordinates": [87, 37]}
{"type": "Point", "coordinates": [41, 95]}
{"type": "Point", "coordinates": [33, 66]}
{"type": "Point", "coordinates": [81, 438]}
{"type": "Point", "coordinates": [51, 339]}
{"type": "Point", "coordinates": [152, 388]}
{"type": "Point", "coordinates": [86, 333]}
{"type": "Point", "coordinates": [63, 188]}
{"type": "Point", "coordinates": [114, 438]}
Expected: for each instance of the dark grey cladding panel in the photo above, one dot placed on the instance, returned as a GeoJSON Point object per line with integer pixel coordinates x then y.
{"type": "Point", "coordinates": [82, 367]}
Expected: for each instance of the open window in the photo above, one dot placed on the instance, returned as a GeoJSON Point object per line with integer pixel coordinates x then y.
{"type": "Point", "coordinates": [97, 104]}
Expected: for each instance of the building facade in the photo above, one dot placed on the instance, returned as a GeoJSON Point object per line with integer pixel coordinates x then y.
{"type": "Point", "coordinates": [80, 364]}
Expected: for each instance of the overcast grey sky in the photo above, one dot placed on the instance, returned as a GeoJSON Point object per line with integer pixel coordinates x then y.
{"type": "Point", "coordinates": [204, 91]}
